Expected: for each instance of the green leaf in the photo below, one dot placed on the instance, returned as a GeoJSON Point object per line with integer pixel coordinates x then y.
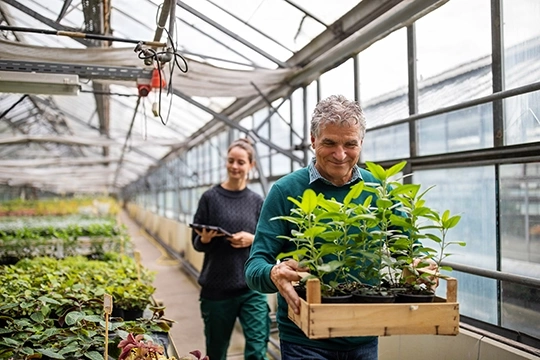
{"type": "Point", "coordinates": [434, 238]}
{"type": "Point", "coordinates": [37, 317]}
{"type": "Point", "coordinates": [314, 231]}
{"type": "Point", "coordinates": [395, 169]}
{"type": "Point", "coordinates": [309, 201]}
{"type": "Point", "coordinates": [330, 266]}
{"type": "Point", "coordinates": [10, 341]}
{"type": "Point", "coordinates": [294, 201]}
{"type": "Point", "coordinates": [46, 299]}
{"type": "Point", "coordinates": [50, 353]}
{"type": "Point", "coordinates": [73, 317]}
{"type": "Point", "coordinates": [68, 349]}
{"type": "Point", "coordinates": [384, 203]}
{"type": "Point", "coordinates": [451, 222]}
{"type": "Point", "coordinates": [93, 318]}
{"type": "Point", "coordinates": [355, 192]}
{"type": "Point", "coordinates": [27, 351]}
{"type": "Point", "coordinates": [377, 170]}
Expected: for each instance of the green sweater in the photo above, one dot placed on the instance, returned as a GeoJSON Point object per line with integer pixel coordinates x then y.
{"type": "Point", "coordinates": [267, 246]}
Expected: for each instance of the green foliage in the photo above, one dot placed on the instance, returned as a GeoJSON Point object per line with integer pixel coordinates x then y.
{"type": "Point", "coordinates": [60, 236]}
{"type": "Point", "coordinates": [54, 308]}
{"type": "Point", "coordinates": [372, 241]}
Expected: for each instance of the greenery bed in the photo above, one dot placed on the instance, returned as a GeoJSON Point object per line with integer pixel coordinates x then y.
{"type": "Point", "coordinates": [54, 308]}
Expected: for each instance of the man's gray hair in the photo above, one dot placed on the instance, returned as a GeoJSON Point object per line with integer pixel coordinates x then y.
{"type": "Point", "coordinates": [337, 109]}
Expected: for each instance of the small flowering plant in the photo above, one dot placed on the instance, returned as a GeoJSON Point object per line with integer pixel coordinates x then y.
{"type": "Point", "coordinates": [134, 347]}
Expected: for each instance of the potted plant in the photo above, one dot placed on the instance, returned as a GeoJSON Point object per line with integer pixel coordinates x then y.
{"type": "Point", "coordinates": [371, 243]}
{"type": "Point", "coordinates": [322, 238]}
{"type": "Point", "coordinates": [137, 347]}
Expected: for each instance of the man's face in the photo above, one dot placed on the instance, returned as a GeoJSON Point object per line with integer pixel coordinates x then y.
{"type": "Point", "coordinates": [337, 150]}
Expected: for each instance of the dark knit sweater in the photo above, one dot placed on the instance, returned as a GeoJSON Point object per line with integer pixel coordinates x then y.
{"type": "Point", "coordinates": [222, 274]}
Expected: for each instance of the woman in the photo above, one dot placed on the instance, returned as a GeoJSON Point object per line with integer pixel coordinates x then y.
{"type": "Point", "coordinates": [224, 293]}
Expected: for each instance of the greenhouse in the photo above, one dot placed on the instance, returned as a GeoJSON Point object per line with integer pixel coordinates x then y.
{"type": "Point", "coordinates": [121, 122]}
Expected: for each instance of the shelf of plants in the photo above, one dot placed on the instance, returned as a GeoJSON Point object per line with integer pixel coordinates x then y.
{"type": "Point", "coordinates": [57, 269]}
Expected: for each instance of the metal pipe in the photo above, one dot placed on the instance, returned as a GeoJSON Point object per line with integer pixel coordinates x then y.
{"type": "Point", "coordinates": [497, 275]}
{"type": "Point", "coordinates": [73, 34]}
{"type": "Point", "coordinates": [482, 100]}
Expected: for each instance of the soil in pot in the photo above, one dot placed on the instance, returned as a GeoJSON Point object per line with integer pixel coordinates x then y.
{"type": "Point", "coordinates": [364, 298]}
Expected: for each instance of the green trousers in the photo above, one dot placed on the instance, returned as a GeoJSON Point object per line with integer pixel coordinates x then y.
{"type": "Point", "coordinates": [219, 317]}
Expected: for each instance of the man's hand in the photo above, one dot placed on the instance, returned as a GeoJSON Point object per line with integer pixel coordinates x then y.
{"type": "Point", "coordinates": [282, 275]}
{"type": "Point", "coordinates": [432, 268]}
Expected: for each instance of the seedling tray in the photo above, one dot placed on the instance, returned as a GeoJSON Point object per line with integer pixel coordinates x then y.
{"type": "Point", "coordinates": [321, 321]}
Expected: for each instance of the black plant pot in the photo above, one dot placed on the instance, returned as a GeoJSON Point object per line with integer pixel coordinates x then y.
{"type": "Point", "coordinates": [373, 298]}
{"type": "Point", "coordinates": [132, 314]}
{"type": "Point", "coordinates": [9, 260]}
{"type": "Point", "coordinates": [414, 298]}
{"type": "Point", "coordinates": [127, 315]}
{"type": "Point", "coordinates": [301, 291]}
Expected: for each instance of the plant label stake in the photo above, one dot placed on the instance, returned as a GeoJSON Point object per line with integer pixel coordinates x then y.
{"type": "Point", "coordinates": [137, 256]}
{"type": "Point", "coordinates": [107, 309]}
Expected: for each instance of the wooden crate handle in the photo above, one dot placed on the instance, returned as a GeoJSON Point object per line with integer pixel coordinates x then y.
{"type": "Point", "coordinates": [451, 284]}
{"type": "Point", "coordinates": [451, 289]}
{"type": "Point", "coordinates": [313, 291]}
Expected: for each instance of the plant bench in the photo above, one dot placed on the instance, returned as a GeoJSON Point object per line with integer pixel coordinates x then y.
{"type": "Point", "coordinates": [320, 321]}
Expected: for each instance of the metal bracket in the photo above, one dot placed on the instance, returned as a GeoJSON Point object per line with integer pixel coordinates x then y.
{"type": "Point", "coordinates": [84, 71]}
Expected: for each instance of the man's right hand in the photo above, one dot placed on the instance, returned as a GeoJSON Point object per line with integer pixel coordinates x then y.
{"type": "Point", "coordinates": [282, 275]}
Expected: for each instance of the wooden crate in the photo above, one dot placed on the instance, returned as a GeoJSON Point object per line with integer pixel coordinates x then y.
{"type": "Point", "coordinates": [321, 321]}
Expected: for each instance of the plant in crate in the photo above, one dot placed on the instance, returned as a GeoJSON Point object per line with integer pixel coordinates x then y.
{"type": "Point", "coordinates": [309, 237]}
{"type": "Point", "coordinates": [371, 243]}
{"type": "Point", "coordinates": [326, 231]}
{"type": "Point", "coordinates": [415, 218]}
{"type": "Point", "coordinates": [378, 234]}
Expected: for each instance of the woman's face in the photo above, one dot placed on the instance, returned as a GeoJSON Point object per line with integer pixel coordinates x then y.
{"type": "Point", "coordinates": [238, 165]}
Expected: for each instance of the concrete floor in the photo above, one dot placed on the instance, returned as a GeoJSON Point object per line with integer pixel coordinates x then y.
{"type": "Point", "coordinates": [178, 292]}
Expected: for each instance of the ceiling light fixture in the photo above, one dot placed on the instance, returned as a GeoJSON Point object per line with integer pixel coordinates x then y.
{"type": "Point", "coordinates": [38, 83]}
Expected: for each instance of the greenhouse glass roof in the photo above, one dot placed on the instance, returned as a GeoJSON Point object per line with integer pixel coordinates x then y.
{"type": "Point", "coordinates": [212, 53]}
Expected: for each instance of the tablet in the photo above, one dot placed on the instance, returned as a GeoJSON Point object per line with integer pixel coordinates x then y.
{"type": "Point", "coordinates": [210, 227]}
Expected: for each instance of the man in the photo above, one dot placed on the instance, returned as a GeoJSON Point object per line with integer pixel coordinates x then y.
{"type": "Point", "coordinates": [337, 132]}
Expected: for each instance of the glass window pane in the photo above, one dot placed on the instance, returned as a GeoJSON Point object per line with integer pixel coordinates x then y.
{"type": "Point", "coordinates": [281, 164]}
{"type": "Point", "coordinates": [338, 81]}
{"type": "Point", "coordinates": [454, 56]}
{"type": "Point", "coordinates": [466, 129]}
{"type": "Point", "coordinates": [375, 146]}
{"type": "Point", "coordinates": [520, 219]}
{"type": "Point", "coordinates": [520, 308]}
{"type": "Point", "coordinates": [522, 118]}
{"type": "Point", "coordinates": [280, 126]}
{"type": "Point", "coordinates": [474, 200]}
{"type": "Point", "coordinates": [383, 79]}
{"type": "Point", "coordinates": [521, 51]}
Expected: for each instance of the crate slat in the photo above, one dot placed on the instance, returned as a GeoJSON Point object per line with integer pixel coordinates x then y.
{"type": "Point", "coordinates": [320, 321]}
